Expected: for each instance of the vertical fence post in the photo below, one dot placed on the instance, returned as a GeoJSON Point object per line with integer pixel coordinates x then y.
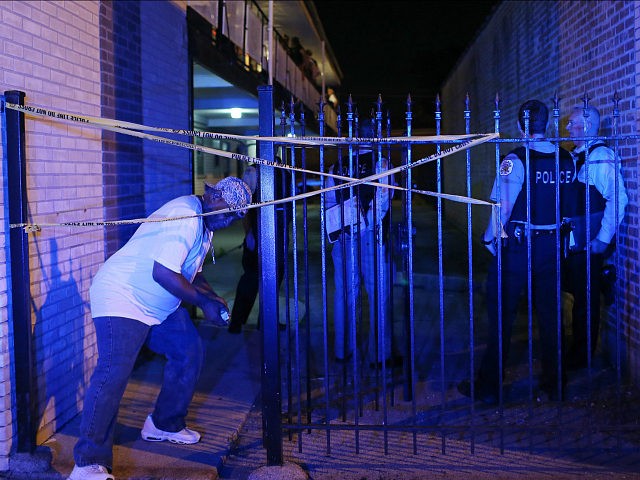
{"type": "Point", "coordinates": [271, 394]}
{"type": "Point", "coordinates": [587, 203]}
{"type": "Point", "coordinates": [617, 267]}
{"type": "Point", "coordinates": [14, 148]}
{"type": "Point", "coordinates": [407, 244]}
{"type": "Point", "coordinates": [558, 216]}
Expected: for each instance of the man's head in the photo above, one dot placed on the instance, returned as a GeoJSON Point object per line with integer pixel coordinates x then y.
{"type": "Point", "coordinates": [230, 192]}
{"type": "Point", "coordinates": [367, 128]}
{"type": "Point", "coordinates": [538, 117]}
{"type": "Point", "coordinates": [250, 177]}
{"type": "Point", "coordinates": [580, 125]}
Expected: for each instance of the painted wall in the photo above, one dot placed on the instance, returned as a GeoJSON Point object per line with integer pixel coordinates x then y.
{"type": "Point", "coordinates": [50, 50]}
{"type": "Point", "coordinates": [534, 49]}
{"type": "Point", "coordinates": [145, 80]}
{"type": "Point", "coordinates": [166, 82]}
{"type": "Point", "coordinates": [84, 58]}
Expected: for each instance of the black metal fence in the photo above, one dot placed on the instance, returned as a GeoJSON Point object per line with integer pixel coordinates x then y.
{"type": "Point", "coordinates": [415, 323]}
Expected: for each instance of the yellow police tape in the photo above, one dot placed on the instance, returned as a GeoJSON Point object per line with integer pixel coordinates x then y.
{"type": "Point", "coordinates": [128, 128]}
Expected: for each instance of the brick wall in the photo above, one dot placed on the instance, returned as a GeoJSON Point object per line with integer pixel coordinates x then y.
{"type": "Point", "coordinates": [165, 82]}
{"type": "Point", "coordinates": [536, 49]}
{"type": "Point", "coordinates": [122, 167]}
{"type": "Point", "coordinates": [145, 79]}
{"type": "Point", "coordinates": [85, 58]}
{"type": "Point", "coordinates": [50, 51]}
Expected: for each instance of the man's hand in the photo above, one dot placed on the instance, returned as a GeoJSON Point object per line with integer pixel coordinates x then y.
{"type": "Point", "coordinates": [250, 240]}
{"type": "Point", "coordinates": [489, 242]}
{"type": "Point", "coordinates": [212, 309]}
{"type": "Point", "coordinates": [492, 248]}
{"type": "Point", "coordinates": [199, 293]}
{"type": "Point", "coordinates": [598, 246]}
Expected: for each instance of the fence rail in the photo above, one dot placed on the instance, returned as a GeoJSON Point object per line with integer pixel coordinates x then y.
{"type": "Point", "coordinates": [416, 319]}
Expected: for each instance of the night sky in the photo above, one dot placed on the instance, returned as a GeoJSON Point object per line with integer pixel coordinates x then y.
{"type": "Point", "coordinates": [395, 48]}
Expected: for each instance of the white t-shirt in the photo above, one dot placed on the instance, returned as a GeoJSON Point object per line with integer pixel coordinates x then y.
{"type": "Point", "coordinates": [124, 285]}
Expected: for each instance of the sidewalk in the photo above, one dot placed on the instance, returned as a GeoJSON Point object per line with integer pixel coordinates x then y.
{"type": "Point", "coordinates": [226, 407]}
{"type": "Point", "coordinates": [227, 389]}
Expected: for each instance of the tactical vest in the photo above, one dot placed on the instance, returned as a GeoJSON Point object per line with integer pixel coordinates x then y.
{"type": "Point", "coordinates": [364, 165]}
{"type": "Point", "coordinates": [542, 175]}
{"type": "Point", "coordinates": [596, 200]}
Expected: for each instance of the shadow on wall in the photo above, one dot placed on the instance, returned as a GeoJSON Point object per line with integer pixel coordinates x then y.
{"type": "Point", "coordinates": [58, 339]}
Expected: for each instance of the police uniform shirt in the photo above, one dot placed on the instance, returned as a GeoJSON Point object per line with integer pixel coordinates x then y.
{"type": "Point", "coordinates": [603, 175]}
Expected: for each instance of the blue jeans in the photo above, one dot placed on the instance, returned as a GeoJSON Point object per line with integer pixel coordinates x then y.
{"type": "Point", "coordinates": [119, 341]}
{"type": "Point", "coordinates": [379, 325]}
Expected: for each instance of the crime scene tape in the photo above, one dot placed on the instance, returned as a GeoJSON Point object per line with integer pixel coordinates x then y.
{"type": "Point", "coordinates": [106, 124]}
{"type": "Point", "coordinates": [306, 140]}
{"type": "Point", "coordinates": [117, 127]}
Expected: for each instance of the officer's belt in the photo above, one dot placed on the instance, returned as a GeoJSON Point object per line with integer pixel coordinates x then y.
{"type": "Point", "coordinates": [550, 227]}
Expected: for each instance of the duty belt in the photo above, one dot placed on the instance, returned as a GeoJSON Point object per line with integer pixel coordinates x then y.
{"type": "Point", "coordinates": [550, 227]}
{"type": "Point", "coordinates": [520, 232]}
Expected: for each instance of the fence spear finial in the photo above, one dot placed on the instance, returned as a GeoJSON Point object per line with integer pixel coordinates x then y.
{"type": "Point", "coordinates": [616, 100]}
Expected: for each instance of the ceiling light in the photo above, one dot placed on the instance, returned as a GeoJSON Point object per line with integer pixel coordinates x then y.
{"type": "Point", "coordinates": [236, 113]}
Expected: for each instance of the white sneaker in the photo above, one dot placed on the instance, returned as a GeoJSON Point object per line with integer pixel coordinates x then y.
{"type": "Point", "coordinates": [90, 472]}
{"type": "Point", "coordinates": [152, 434]}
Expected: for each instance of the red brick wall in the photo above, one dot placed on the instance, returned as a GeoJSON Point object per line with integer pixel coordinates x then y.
{"type": "Point", "coordinates": [80, 57]}
{"type": "Point", "coordinates": [49, 50]}
{"type": "Point", "coordinates": [535, 50]}
{"type": "Point", "coordinates": [145, 79]}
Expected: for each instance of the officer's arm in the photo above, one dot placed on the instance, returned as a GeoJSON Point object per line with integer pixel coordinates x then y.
{"type": "Point", "coordinates": [602, 173]}
{"type": "Point", "coordinates": [510, 179]}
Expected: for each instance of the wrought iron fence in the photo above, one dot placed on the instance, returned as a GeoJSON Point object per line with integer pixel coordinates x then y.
{"type": "Point", "coordinates": [418, 329]}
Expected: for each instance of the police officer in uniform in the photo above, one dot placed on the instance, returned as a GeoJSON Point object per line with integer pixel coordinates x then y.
{"type": "Point", "coordinates": [603, 194]}
{"type": "Point", "coordinates": [366, 237]}
{"type": "Point", "coordinates": [512, 231]}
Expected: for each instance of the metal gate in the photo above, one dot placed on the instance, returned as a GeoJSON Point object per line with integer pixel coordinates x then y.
{"type": "Point", "coordinates": [418, 328]}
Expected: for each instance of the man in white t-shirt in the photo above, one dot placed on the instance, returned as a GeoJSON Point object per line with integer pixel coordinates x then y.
{"type": "Point", "coordinates": [135, 300]}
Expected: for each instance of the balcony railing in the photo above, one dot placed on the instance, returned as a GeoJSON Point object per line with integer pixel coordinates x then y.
{"type": "Point", "coordinates": [246, 26]}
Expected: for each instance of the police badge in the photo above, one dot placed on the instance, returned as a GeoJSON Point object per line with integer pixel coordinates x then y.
{"type": "Point", "coordinates": [506, 167]}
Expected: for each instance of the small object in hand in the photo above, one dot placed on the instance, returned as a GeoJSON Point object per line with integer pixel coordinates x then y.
{"type": "Point", "coordinates": [224, 315]}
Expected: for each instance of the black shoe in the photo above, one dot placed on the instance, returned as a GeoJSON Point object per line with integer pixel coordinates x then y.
{"type": "Point", "coordinates": [575, 360]}
{"type": "Point", "coordinates": [281, 326]}
{"type": "Point", "coordinates": [608, 284]}
{"type": "Point", "coordinates": [482, 393]}
{"type": "Point", "coordinates": [393, 362]}
{"type": "Point", "coordinates": [575, 364]}
{"type": "Point", "coordinates": [551, 391]}
{"type": "Point", "coordinates": [342, 361]}
{"type": "Point", "coordinates": [234, 328]}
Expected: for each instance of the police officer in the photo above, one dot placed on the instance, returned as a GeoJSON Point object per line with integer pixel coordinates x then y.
{"type": "Point", "coordinates": [513, 230]}
{"type": "Point", "coordinates": [364, 238]}
{"type": "Point", "coordinates": [603, 174]}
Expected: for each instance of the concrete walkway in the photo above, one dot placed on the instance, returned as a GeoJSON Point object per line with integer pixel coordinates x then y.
{"type": "Point", "coordinates": [226, 408]}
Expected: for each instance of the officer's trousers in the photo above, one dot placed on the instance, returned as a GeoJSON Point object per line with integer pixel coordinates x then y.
{"type": "Point", "coordinates": [514, 278]}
